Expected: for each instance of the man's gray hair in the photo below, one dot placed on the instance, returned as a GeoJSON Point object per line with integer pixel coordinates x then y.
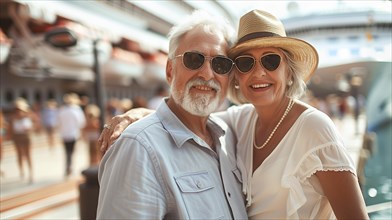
{"type": "Point", "coordinates": [199, 18]}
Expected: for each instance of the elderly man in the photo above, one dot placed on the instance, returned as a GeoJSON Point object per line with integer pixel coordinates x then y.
{"type": "Point", "coordinates": [179, 163]}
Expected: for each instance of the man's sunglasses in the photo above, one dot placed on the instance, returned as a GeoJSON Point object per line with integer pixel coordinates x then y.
{"type": "Point", "coordinates": [246, 63]}
{"type": "Point", "coordinates": [195, 60]}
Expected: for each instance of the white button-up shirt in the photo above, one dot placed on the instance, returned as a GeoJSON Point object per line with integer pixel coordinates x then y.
{"type": "Point", "coordinates": [71, 120]}
{"type": "Point", "coordinates": [159, 169]}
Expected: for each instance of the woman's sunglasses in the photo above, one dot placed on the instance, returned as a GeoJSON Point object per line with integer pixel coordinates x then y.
{"type": "Point", "coordinates": [246, 63]}
{"type": "Point", "coordinates": [194, 60]}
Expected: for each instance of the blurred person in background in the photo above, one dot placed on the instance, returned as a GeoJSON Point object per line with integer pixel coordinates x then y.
{"type": "Point", "coordinates": [71, 120]}
{"type": "Point", "coordinates": [3, 136]}
{"type": "Point", "coordinates": [20, 128]}
{"type": "Point", "coordinates": [36, 117]}
{"type": "Point", "coordinates": [160, 93]}
{"type": "Point", "coordinates": [49, 120]}
{"type": "Point", "coordinates": [126, 104]}
{"type": "Point", "coordinates": [92, 131]}
{"type": "Point", "coordinates": [84, 102]}
{"type": "Point", "coordinates": [139, 102]}
{"type": "Point", "coordinates": [113, 107]}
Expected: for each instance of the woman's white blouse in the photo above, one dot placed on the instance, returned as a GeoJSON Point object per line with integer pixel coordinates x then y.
{"type": "Point", "coordinates": [284, 186]}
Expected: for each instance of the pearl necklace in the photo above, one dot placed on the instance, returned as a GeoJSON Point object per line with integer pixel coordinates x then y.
{"type": "Point", "coordinates": [289, 106]}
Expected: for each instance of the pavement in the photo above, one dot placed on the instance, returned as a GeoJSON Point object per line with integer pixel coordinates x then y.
{"type": "Point", "coordinates": [50, 189]}
{"type": "Point", "coordinates": [352, 134]}
{"type": "Point", "coordinates": [52, 196]}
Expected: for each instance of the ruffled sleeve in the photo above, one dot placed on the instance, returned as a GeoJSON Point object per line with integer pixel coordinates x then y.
{"type": "Point", "coordinates": [327, 157]}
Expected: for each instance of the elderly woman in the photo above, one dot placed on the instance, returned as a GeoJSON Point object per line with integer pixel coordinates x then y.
{"type": "Point", "coordinates": [292, 159]}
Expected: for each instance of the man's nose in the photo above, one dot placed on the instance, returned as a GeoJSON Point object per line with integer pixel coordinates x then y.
{"type": "Point", "coordinates": [206, 71]}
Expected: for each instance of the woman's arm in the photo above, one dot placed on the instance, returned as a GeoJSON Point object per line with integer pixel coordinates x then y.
{"type": "Point", "coordinates": [344, 194]}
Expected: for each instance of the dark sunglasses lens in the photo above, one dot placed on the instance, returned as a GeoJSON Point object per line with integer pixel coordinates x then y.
{"type": "Point", "coordinates": [271, 62]}
{"type": "Point", "coordinates": [193, 60]}
{"type": "Point", "coordinates": [221, 65]}
{"type": "Point", "coordinates": [244, 64]}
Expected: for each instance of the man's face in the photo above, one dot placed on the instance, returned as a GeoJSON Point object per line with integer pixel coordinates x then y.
{"type": "Point", "coordinates": [200, 92]}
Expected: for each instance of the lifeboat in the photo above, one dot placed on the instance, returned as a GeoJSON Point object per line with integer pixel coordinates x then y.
{"type": "Point", "coordinates": [32, 56]}
{"type": "Point", "coordinates": [123, 65]}
{"type": "Point", "coordinates": [82, 54]}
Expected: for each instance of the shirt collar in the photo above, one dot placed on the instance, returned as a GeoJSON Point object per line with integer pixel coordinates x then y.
{"type": "Point", "coordinates": [179, 132]}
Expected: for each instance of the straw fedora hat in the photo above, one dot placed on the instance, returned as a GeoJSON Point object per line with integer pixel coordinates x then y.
{"type": "Point", "coordinates": [21, 104]}
{"type": "Point", "coordinates": [258, 28]}
{"type": "Point", "coordinates": [93, 110]}
{"type": "Point", "coordinates": [71, 99]}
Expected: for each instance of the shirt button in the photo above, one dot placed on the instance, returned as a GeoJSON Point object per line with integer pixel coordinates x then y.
{"type": "Point", "coordinates": [199, 184]}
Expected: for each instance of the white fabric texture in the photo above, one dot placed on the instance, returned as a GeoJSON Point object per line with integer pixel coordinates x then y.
{"type": "Point", "coordinates": [22, 125]}
{"type": "Point", "coordinates": [283, 186]}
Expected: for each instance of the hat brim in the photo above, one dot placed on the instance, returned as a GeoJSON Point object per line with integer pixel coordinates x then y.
{"type": "Point", "coordinates": [301, 51]}
{"type": "Point", "coordinates": [23, 109]}
{"type": "Point", "coordinates": [21, 104]}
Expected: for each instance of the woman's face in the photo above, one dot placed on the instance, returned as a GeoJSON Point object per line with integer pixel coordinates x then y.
{"type": "Point", "coordinates": [261, 86]}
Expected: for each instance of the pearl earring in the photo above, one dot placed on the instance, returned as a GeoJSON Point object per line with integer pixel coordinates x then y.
{"type": "Point", "coordinates": [236, 86]}
{"type": "Point", "coordinates": [290, 82]}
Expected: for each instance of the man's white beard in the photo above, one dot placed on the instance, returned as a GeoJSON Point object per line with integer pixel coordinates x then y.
{"type": "Point", "coordinates": [199, 104]}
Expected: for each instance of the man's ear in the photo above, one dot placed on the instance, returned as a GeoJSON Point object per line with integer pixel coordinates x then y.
{"type": "Point", "coordinates": [169, 70]}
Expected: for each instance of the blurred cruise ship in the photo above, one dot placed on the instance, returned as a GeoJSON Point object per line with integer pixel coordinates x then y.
{"type": "Point", "coordinates": [354, 45]}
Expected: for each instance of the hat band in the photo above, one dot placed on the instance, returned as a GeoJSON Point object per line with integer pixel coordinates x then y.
{"type": "Point", "coordinates": [257, 35]}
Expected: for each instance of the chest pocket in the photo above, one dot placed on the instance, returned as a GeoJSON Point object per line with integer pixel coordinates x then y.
{"type": "Point", "coordinates": [200, 195]}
